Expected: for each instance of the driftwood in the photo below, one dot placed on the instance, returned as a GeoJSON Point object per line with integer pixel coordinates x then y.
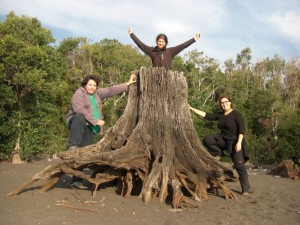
{"type": "Point", "coordinates": [153, 149]}
{"type": "Point", "coordinates": [287, 168]}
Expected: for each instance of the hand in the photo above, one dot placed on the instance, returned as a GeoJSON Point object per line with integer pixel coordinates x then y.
{"type": "Point", "coordinates": [197, 111]}
{"type": "Point", "coordinates": [101, 123]}
{"type": "Point", "coordinates": [197, 36]}
{"type": "Point", "coordinates": [132, 79]}
{"type": "Point", "coordinates": [130, 30]}
{"type": "Point", "coordinates": [238, 147]}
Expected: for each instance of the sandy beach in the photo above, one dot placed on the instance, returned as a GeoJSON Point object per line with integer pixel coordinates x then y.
{"type": "Point", "coordinates": [274, 201]}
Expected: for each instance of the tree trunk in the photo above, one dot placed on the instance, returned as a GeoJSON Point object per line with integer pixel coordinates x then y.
{"type": "Point", "coordinates": [153, 144]}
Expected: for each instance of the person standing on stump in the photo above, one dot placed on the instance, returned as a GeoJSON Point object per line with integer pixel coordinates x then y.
{"type": "Point", "coordinates": [161, 56]}
{"type": "Point", "coordinates": [231, 138]}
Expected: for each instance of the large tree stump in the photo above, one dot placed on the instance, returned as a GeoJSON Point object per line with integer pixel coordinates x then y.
{"type": "Point", "coordinates": [153, 146]}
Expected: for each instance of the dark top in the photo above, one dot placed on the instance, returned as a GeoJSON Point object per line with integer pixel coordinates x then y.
{"type": "Point", "coordinates": [161, 57]}
{"type": "Point", "coordinates": [81, 103]}
{"type": "Point", "coordinates": [231, 126]}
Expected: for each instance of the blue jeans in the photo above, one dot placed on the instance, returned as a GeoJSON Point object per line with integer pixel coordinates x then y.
{"type": "Point", "coordinates": [80, 134]}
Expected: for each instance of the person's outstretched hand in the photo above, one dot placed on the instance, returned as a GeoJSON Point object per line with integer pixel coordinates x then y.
{"type": "Point", "coordinates": [197, 36]}
{"type": "Point", "coordinates": [132, 79]}
{"type": "Point", "coordinates": [130, 30]}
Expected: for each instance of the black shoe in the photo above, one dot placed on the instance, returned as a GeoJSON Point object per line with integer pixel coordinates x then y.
{"type": "Point", "coordinates": [78, 185]}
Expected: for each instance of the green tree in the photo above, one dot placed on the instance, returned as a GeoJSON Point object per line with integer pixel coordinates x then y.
{"type": "Point", "coordinates": [292, 84]}
{"type": "Point", "coordinates": [287, 144]}
{"type": "Point", "coordinates": [31, 86]}
{"type": "Point", "coordinates": [110, 60]}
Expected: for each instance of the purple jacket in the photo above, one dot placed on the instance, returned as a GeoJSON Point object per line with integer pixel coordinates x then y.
{"type": "Point", "coordinates": [81, 103]}
{"type": "Point", "coordinates": [161, 57]}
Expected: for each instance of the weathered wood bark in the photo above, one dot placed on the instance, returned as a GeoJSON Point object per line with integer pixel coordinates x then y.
{"type": "Point", "coordinates": [153, 142]}
{"type": "Point", "coordinates": [287, 168]}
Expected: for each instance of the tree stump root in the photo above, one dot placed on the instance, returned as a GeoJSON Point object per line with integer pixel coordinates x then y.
{"type": "Point", "coordinates": [153, 149]}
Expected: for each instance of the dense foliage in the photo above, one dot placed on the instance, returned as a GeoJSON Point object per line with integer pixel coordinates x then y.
{"type": "Point", "coordinates": [38, 79]}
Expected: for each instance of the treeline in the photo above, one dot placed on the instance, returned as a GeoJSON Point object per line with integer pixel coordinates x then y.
{"type": "Point", "coordinates": [39, 78]}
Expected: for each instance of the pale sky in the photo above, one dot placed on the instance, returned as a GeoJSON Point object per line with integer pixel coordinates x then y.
{"type": "Point", "coordinates": [267, 27]}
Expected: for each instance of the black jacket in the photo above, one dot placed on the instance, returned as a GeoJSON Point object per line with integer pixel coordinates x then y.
{"type": "Point", "coordinates": [161, 57]}
{"type": "Point", "coordinates": [231, 126]}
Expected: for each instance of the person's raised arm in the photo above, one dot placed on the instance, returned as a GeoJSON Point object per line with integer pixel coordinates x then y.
{"type": "Point", "coordinates": [130, 30]}
{"type": "Point", "coordinates": [197, 36]}
{"type": "Point", "coordinates": [177, 49]}
{"type": "Point", "coordinates": [145, 48]}
{"type": "Point", "coordinates": [199, 112]}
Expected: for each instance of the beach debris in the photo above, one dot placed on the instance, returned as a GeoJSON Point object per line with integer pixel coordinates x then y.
{"type": "Point", "coordinates": [67, 204]}
{"type": "Point", "coordinates": [90, 202]}
{"type": "Point", "coordinates": [287, 168]}
{"type": "Point", "coordinates": [175, 210]}
{"type": "Point", "coordinates": [16, 159]}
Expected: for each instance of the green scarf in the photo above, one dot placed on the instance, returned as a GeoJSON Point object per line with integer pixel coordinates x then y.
{"type": "Point", "coordinates": [95, 129]}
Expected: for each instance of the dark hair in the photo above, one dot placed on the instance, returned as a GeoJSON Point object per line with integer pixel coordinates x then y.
{"type": "Point", "coordinates": [89, 77]}
{"type": "Point", "coordinates": [162, 36]}
{"type": "Point", "coordinates": [229, 99]}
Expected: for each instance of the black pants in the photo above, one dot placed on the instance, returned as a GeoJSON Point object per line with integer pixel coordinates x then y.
{"type": "Point", "coordinates": [216, 145]}
{"type": "Point", "coordinates": [80, 134]}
